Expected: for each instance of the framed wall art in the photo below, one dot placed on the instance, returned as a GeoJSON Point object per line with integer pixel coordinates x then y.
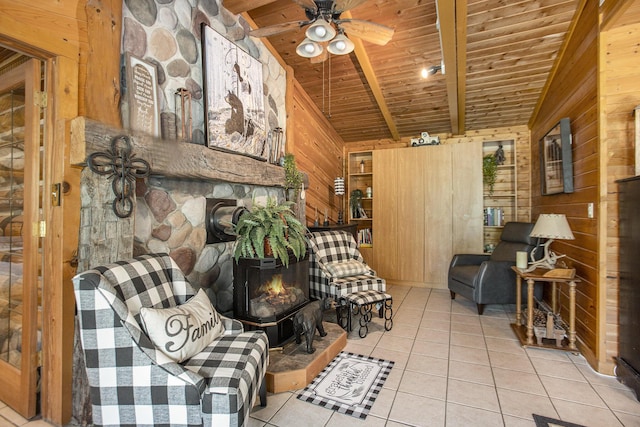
{"type": "Point", "coordinates": [556, 160]}
{"type": "Point", "coordinates": [234, 101]}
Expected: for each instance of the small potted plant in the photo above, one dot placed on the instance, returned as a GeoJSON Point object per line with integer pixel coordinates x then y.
{"type": "Point", "coordinates": [270, 231]}
{"type": "Point", "coordinates": [489, 171]}
{"type": "Point", "coordinates": [292, 176]}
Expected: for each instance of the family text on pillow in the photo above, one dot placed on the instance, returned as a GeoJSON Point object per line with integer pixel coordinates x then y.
{"type": "Point", "coordinates": [182, 332]}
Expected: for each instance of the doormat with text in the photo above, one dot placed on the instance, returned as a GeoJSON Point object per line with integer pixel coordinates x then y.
{"type": "Point", "coordinates": [542, 421]}
{"type": "Point", "coordinates": [349, 384]}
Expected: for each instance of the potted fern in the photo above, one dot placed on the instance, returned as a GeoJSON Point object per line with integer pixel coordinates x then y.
{"type": "Point", "coordinates": [271, 230]}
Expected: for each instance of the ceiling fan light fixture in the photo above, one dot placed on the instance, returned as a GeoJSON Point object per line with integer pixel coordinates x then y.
{"type": "Point", "coordinates": [340, 45]}
{"type": "Point", "coordinates": [308, 49]}
{"type": "Point", "coordinates": [320, 31]}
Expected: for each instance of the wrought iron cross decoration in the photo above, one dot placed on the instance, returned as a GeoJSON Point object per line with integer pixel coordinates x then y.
{"type": "Point", "coordinates": [119, 163]}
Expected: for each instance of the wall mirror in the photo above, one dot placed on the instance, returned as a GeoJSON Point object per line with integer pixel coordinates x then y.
{"type": "Point", "coordinates": [556, 162]}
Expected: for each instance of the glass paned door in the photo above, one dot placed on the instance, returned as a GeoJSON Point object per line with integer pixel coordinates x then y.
{"type": "Point", "coordinates": [21, 151]}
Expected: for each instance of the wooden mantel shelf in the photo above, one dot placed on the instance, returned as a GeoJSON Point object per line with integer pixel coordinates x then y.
{"type": "Point", "coordinates": [174, 159]}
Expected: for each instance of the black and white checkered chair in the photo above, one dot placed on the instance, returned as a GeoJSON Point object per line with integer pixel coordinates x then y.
{"type": "Point", "coordinates": [134, 383]}
{"type": "Point", "coordinates": [332, 270]}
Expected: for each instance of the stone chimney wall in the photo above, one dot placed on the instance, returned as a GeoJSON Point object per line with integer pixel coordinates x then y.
{"type": "Point", "coordinates": [169, 213]}
{"type": "Point", "coordinates": [167, 34]}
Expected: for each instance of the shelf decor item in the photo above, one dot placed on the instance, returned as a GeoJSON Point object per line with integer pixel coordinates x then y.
{"type": "Point", "coordinates": [270, 231]}
{"type": "Point", "coordinates": [338, 189]}
{"type": "Point", "coordinates": [355, 202]}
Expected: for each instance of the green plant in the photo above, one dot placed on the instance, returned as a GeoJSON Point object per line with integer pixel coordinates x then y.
{"type": "Point", "coordinates": [292, 176]}
{"type": "Point", "coordinates": [489, 171]}
{"type": "Point", "coordinates": [274, 224]}
{"type": "Point", "coordinates": [355, 202]}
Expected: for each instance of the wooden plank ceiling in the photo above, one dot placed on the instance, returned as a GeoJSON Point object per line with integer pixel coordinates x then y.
{"type": "Point", "coordinates": [497, 55]}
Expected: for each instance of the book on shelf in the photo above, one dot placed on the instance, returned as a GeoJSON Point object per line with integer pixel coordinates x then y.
{"type": "Point", "coordinates": [493, 217]}
{"type": "Point", "coordinates": [365, 238]}
{"type": "Point", "coordinates": [363, 213]}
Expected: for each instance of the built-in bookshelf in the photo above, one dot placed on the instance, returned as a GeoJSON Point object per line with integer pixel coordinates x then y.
{"type": "Point", "coordinates": [500, 205]}
{"type": "Point", "coordinates": [360, 177]}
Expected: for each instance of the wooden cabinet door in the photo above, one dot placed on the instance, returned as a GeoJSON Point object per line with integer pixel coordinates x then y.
{"type": "Point", "coordinates": [385, 202]}
{"type": "Point", "coordinates": [410, 211]}
{"type": "Point", "coordinates": [467, 198]}
{"type": "Point", "coordinates": [437, 215]}
{"type": "Point", "coordinates": [428, 206]}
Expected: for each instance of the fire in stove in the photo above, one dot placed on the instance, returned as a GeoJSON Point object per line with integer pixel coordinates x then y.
{"type": "Point", "coordinates": [274, 297]}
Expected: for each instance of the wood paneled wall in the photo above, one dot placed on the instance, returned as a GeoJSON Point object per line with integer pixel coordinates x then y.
{"type": "Point", "coordinates": [318, 151]}
{"type": "Point", "coordinates": [620, 94]}
{"type": "Point", "coordinates": [572, 92]}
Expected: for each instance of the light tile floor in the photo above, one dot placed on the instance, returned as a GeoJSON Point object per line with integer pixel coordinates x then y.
{"type": "Point", "coordinates": [457, 369]}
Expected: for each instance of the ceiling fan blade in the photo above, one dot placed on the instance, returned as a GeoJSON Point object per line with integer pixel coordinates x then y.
{"type": "Point", "coordinates": [272, 30]}
{"type": "Point", "coordinates": [366, 30]}
{"type": "Point", "coordinates": [307, 4]}
{"type": "Point", "coordinates": [342, 5]}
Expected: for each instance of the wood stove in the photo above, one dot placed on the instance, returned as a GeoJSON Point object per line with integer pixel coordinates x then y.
{"type": "Point", "coordinates": [266, 295]}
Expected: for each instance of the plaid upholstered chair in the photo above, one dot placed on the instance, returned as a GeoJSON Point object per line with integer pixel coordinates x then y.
{"type": "Point", "coordinates": [133, 381]}
{"type": "Point", "coordinates": [337, 269]}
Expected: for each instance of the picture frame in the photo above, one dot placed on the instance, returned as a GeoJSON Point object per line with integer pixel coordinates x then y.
{"type": "Point", "coordinates": [556, 160]}
{"type": "Point", "coordinates": [235, 118]}
{"type": "Point", "coordinates": [142, 91]}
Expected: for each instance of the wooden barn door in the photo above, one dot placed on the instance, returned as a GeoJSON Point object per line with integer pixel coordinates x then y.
{"type": "Point", "coordinates": [21, 255]}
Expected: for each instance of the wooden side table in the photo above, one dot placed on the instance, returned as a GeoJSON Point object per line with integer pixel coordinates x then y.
{"type": "Point", "coordinates": [525, 332]}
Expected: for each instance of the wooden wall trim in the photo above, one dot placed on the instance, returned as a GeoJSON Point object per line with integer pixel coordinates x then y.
{"type": "Point", "coordinates": [39, 30]}
{"type": "Point", "coordinates": [61, 244]}
{"type": "Point", "coordinates": [102, 89]}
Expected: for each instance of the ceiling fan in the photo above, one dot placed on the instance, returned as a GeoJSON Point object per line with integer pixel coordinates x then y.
{"type": "Point", "coordinates": [322, 16]}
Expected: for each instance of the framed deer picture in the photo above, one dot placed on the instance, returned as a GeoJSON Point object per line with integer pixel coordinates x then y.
{"type": "Point", "coordinates": [234, 100]}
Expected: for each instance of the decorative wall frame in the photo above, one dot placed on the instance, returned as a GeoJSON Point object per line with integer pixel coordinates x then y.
{"type": "Point", "coordinates": [234, 101]}
{"type": "Point", "coordinates": [142, 90]}
{"type": "Point", "coordinates": [556, 160]}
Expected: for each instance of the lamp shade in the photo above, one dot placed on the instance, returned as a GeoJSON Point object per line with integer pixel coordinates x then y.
{"type": "Point", "coordinates": [552, 226]}
{"type": "Point", "coordinates": [338, 186]}
{"type": "Point", "coordinates": [341, 45]}
{"type": "Point", "coordinates": [309, 49]}
{"type": "Point", "coordinates": [320, 31]}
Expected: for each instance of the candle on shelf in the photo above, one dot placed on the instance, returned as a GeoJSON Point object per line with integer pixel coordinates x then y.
{"type": "Point", "coordinates": [521, 259]}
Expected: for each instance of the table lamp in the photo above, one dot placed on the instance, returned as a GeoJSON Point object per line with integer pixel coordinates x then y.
{"type": "Point", "coordinates": [550, 227]}
{"type": "Point", "coordinates": [338, 189]}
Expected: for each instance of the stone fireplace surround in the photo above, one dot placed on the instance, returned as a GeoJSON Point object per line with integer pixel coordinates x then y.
{"type": "Point", "coordinates": [169, 214]}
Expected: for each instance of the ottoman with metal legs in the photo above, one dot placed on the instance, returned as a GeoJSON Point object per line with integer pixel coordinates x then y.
{"type": "Point", "coordinates": [362, 303]}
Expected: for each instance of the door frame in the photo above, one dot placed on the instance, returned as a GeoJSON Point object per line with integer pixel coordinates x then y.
{"type": "Point", "coordinates": [62, 225]}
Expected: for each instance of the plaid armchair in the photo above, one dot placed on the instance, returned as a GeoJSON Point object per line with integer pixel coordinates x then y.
{"type": "Point", "coordinates": [331, 270]}
{"type": "Point", "coordinates": [132, 382]}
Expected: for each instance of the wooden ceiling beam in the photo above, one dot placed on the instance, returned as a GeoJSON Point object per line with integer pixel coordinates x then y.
{"type": "Point", "coordinates": [461, 55]}
{"type": "Point", "coordinates": [453, 48]}
{"type": "Point", "coordinates": [238, 6]}
{"type": "Point", "coordinates": [372, 81]}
